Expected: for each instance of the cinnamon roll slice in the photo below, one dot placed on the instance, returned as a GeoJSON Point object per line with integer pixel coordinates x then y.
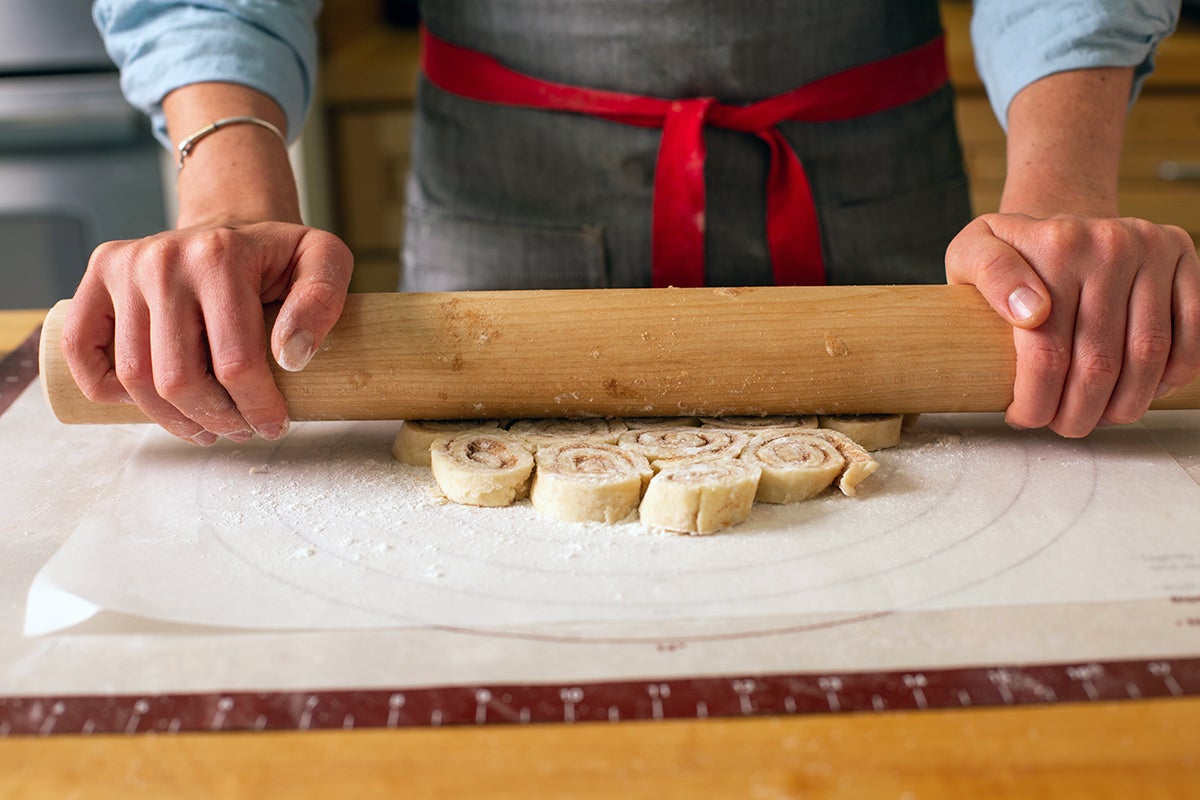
{"type": "Point", "coordinates": [802, 463]}
{"type": "Point", "coordinates": [666, 446]}
{"type": "Point", "coordinates": [700, 497]}
{"type": "Point", "coordinates": [540, 432]}
{"type": "Point", "coordinates": [580, 481]}
{"type": "Point", "coordinates": [481, 468]}
{"type": "Point", "coordinates": [758, 423]}
{"type": "Point", "coordinates": [417, 435]}
{"type": "Point", "coordinates": [870, 431]}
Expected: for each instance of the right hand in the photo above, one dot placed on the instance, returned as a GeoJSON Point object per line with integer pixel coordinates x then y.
{"type": "Point", "coordinates": [174, 323]}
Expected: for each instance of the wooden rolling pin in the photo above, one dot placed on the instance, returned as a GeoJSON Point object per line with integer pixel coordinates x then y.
{"type": "Point", "coordinates": [637, 352]}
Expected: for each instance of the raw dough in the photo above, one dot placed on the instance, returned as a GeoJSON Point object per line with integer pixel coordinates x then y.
{"type": "Point", "coordinates": [550, 431]}
{"type": "Point", "coordinates": [796, 465]}
{"type": "Point", "coordinates": [582, 481]}
{"type": "Point", "coordinates": [665, 446]}
{"type": "Point", "coordinates": [700, 497]}
{"type": "Point", "coordinates": [482, 469]}
{"type": "Point", "coordinates": [756, 423]}
{"type": "Point", "coordinates": [417, 435]}
{"type": "Point", "coordinates": [871, 431]}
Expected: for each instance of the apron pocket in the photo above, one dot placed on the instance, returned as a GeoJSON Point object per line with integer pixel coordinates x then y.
{"type": "Point", "coordinates": [445, 252]}
{"type": "Point", "coordinates": [896, 239]}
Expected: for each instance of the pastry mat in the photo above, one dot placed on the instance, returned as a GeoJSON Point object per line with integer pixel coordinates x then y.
{"type": "Point", "coordinates": [319, 584]}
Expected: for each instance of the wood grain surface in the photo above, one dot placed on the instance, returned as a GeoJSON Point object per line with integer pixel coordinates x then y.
{"type": "Point", "coordinates": [638, 352]}
{"type": "Point", "coordinates": [1147, 750]}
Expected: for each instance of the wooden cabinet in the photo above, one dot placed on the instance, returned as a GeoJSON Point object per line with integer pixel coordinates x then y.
{"type": "Point", "coordinates": [368, 83]}
{"type": "Point", "coordinates": [1160, 163]}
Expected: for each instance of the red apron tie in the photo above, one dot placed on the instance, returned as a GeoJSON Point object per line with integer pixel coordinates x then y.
{"type": "Point", "coordinates": [677, 238]}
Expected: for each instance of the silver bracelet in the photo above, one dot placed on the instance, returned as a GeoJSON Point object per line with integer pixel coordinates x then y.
{"type": "Point", "coordinates": [185, 147]}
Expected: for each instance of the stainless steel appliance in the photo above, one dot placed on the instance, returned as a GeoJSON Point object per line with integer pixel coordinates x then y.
{"type": "Point", "coordinates": [78, 165]}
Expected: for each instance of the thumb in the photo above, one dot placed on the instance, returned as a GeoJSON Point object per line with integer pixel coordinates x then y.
{"type": "Point", "coordinates": [321, 267]}
{"type": "Point", "coordinates": [1001, 274]}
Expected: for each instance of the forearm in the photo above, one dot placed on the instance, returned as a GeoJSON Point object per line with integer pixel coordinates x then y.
{"type": "Point", "coordinates": [240, 173]}
{"type": "Point", "coordinates": [1064, 143]}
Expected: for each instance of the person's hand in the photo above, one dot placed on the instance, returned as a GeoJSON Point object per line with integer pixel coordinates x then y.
{"type": "Point", "coordinates": [174, 323]}
{"type": "Point", "coordinates": [1106, 312]}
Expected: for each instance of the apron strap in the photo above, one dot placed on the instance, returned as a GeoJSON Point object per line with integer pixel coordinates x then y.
{"type": "Point", "coordinates": [677, 240]}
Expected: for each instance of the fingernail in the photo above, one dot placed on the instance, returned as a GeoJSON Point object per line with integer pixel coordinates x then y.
{"type": "Point", "coordinates": [205, 438]}
{"type": "Point", "coordinates": [1023, 302]}
{"type": "Point", "coordinates": [297, 351]}
{"type": "Point", "coordinates": [270, 431]}
{"type": "Point", "coordinates": [1104, 423]}
{"type": "Point", "coordinates": [240, 436]}
{"type": "Point", "coordinates": [1162, 389]}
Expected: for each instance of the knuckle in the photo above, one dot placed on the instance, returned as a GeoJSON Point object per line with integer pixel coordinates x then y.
{"type": "Point", "coordinates": [132, 371]}
{"type": "Point", "coordinates": [1062, 236]}
{"type": "Point", "coordinates": [1097, 369]}
{"type": "Point", "coordinates": [1150, 347]}
{"type": "Point", "coordinates": [1047, 361]}
{"type": "Point", "coordinates": [173, 383]}
{"type": "Point", "coordinates": [235, 367]}
{"type": "Point", "coordinates": [1110, 240]}
{"type": "Point", "coordinates": [325, 295]}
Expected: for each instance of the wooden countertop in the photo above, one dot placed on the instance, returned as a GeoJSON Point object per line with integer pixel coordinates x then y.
{"type": "Point", "coordinates": [1147, 749]}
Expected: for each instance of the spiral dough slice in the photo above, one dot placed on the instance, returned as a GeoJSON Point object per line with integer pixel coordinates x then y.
{"type": "Point", "coordinates": [580, 481]}
{"type": "Point", "coordinates": [539, 432]}
{"type": "Point", "coordinates": [870, 431]}
{"type": "Point", "coordinates": [481, 469]}
{"type": "Point", "coordinates": [666, 446]}
{"type": "Point", "coordinates": [758, 423]}
{"type": "Point", "coordinates": [700, 497]}
{"type": "Point", "coordinates": [800, 464]}
{"type": "Point", "coordinates": [417, 435]}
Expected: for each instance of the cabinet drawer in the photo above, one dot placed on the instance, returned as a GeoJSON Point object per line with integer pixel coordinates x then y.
{"type": "Point", "coordinates": [373, 150]}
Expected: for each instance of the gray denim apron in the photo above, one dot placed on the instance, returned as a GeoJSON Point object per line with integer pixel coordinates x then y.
{"type": "Point", "coordinates": [508, 198]}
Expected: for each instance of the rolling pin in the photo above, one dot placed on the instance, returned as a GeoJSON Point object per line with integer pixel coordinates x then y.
{"type": "Point", "coordinates": [636, 352]}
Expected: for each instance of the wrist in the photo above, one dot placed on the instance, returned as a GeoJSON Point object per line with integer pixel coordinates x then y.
{"type": "Point", "coordinates": [238, 173]}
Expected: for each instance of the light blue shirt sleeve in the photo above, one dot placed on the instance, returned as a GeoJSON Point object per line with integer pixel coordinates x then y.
{"type": "Point", "coordinates": [1020, 41]}
{"type": "Point", "coordinates": [161, 45]}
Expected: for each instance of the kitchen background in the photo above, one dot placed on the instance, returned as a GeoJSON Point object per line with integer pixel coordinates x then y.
{"type": "Point", "coordinates": [78, 166]}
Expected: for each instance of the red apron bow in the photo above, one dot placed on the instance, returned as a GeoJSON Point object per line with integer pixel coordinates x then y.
{"type": "Point", "coordinates": [677, 240]}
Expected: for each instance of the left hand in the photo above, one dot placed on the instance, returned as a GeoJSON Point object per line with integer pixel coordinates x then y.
{"type": "Point", "coordinates": [1106, 312]}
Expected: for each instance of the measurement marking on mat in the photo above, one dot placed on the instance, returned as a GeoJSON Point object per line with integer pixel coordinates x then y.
{"type": "Point", "coordinates": [1162, 671]}
{"type": "Point", "coordinates": [614, 714]}
{"type": "Point", "coordinates": [789, 704]}
{"type": "Point", "coordinates": [435, 719]}
{"type": "Point", "coordinates": [658, 691]}
{"type": "Point", "coordinates": [139, 710]}
{"type": "Point", "coordinates": [1132, 690]}
{"type": "Point", "coordinates": [56, 711]}
{"type": "Point", "coordinates": [260, 724]}
{"type": "Point", "coordinates": [348, 722]}
{"type": "Point", "coordinates": [831, 685]}
{"type": "Point", "coordinates": [964, 697]}
{"type": "Point", "coordinates": [570, 697]}
{"type": "Point", "coordinates": [524, 717]}
{"type": "Point", "coordinates": [482, 698]}
{"type": "Point", "coordinates": [395, 703]}
{"type": "Point", "coordinates": [88, 726]}
{"type": "Point", "coordinates": [916, 684]}
{"type": "Point", "coordinates": [877, 703]}
{"type": "Point", "coordinates": [224, 706]}
{"type": "Point", "coordinates": [174, 727]}
{"type": "Point", "coordinates": [743, 688]}
{"type": "Point", "coordinates": [306, 717]}
{"type": "Point", "coordinates": [701, 709]}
